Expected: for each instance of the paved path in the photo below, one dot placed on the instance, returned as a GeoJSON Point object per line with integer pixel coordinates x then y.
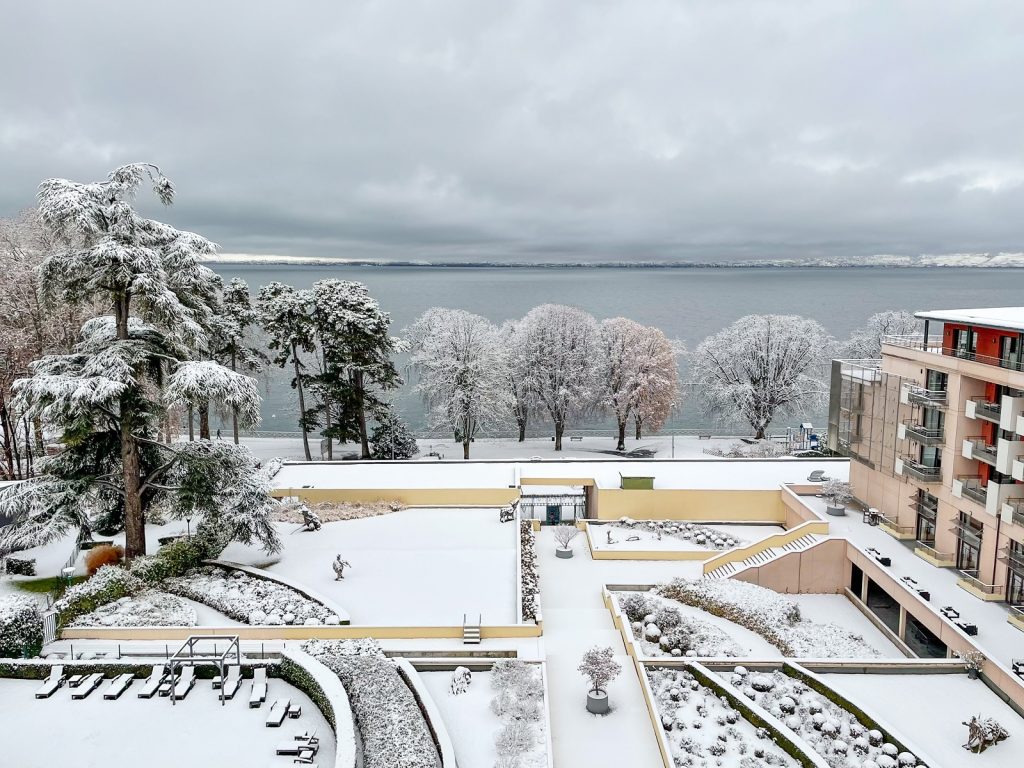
{"type": "Point", "coordinates": [575, 620]}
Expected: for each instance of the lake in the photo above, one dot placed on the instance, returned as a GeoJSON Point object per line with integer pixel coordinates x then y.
{"type": "Point", "coordinates": [688, 303]}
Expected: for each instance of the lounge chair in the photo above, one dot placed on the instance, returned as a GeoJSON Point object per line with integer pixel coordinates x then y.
{"type": "Point", "coordinates": [90, 684]}
{"type": "Point", "coordinates": [186, 680]}
{"type": "Point", "coordinates": [152, 682]}
{"type": "Point", "coordinates": [118, 685]}
{"type": "Point", "coordinates": [52, 682]}
{"type": "Point", "coordinates": [259, 687]}
{"type": "Point", "coordinates": [277, 712]}
{"type": "Point", "coordinates": [232, 681]}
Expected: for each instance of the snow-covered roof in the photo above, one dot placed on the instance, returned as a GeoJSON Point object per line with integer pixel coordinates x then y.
{"type": "Point", "coordinates": [1011, 318]}
{"type": "Point", "coordinates": [697, 474]}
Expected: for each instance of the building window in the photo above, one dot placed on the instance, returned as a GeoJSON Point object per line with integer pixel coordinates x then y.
{"type": "Point", "coordinates": [1015, 573]}
{"type": "Point", "coordinates": [936, 381]}
{"type": "Point", "coordinates": [927, 507]}
{"type": "Point", "coordinates": [884, 606]}
{"type": "Point", "coordinates": [856, 580]}
{"type": "Point", "coordinates": [922, 641]}
{"type": "Point", "coordinates": [1010, 349]}
{"type": "Point", "coordinates": [968, 547]}
{"type": "Point", "coordinates": [965, 342]}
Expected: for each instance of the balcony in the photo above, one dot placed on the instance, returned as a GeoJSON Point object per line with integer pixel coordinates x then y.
{"type": "Point", "coordinates": [930, 554]}
{"type": "Point", "coordinates": [911, 467]}
{"type": "Point", "coordinates": [1011, 410]}
{"type": "Point", "coordinates": [1013, 511]}
{"type": "Point", "coordinates": [1007, 452]}
{"type": "Point", "coordinates": [969, 580]}
{"type": "Point", "coordinates": [913, 394]}
{"type": "Point", "coordinates": [977, 449]}
{"type": "Point", "coordinates": [980, 408]}
{"type": "Point", "coordinates": [891, 525]}
{"type": "Point", "coordinates": [919, 433]}
{"type": "Point", "coordinates": [969, 487]}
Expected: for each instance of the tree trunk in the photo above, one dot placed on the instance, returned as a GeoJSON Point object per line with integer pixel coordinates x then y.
{"type": "Point", "coordinates": [759, 433]}
{"type": "Point", "coordinates": [327, 428]}
{"type": "Point", "coordinates": [522, 430]}
{"type": "Point", "coordinates": [639, 428]}
{"type": "Point", "coordinates": [364, 438]}
{"type": "Point", "coordinates": [134, 519]}
{"type": "Point", "coordinates": [302, 403]}
{"type": "Point", "coordinates": [621, 444]}
{"type": "Point", "coordinates": [234, 411]}
{"type": "Point", "coordinates": [465, 447]}
{"type": "Point", "coordinates": [5, 427]}
{"type": "Point", "coordinates": [204, 421]}
{"type": "Point", "coordinates": [559, 429]}
{"type": "Point", "coordinates": [37, 428]}
{"type": "Point", "coordinates": [28, 450]}
{"type": "Point", "coordinates": [191, 425]}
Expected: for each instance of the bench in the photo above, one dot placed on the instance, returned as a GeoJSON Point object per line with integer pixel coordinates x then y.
{"type": "Point", "coordinates": [575, 438]}
{"type": "Point", "coordinates": [704, 436]}
{"type": "Point", "coordinates": [967, 627]}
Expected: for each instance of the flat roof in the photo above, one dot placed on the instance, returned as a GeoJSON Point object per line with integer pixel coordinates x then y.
{"type": "Point", "coordinates": [1011, 318]}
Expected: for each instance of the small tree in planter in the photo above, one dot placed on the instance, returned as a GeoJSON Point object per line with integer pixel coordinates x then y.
{"type": "Point", "coordinates": [983, 732]}
{"type": "Point", "coordinates": [564, 534]}
{"type": "Point", "coordinates": [600, 667]}
{"type": "Point", "coordinates": [838, 494]}
{"type": "Point", "coordinates": [973, 662]}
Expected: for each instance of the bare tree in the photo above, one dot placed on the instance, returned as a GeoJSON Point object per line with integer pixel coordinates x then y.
{"type": "Point", "coordinates": [558, 351]}
{"type": "Point", "coordinates": [521, 401]}
{"type": "Point", "coordinates": [763, 366]}
{"type": "Point", "coordinates": [564, 534]}
{"type": "Point", "coordinates": [865, 343]}
{"type": "Point", "coordinates": [463, 371]}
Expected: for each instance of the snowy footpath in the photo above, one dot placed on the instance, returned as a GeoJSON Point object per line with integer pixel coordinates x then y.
{"type": "Point", "coordinates": [575, 619]}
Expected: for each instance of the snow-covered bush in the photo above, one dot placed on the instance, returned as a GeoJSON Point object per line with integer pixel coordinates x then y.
{"type": "Point", "coordinates": [109, 583]}
{"type": "Point", "coordinates": [701, 535]}
{"type": "Point", "coordinates": [771, 615]}
{"type": "Point", "coordinates": [833, 732]}
{"type": "Point", "coordinates": [330, 511]}
{"type": "Point", "coordinates": [599, 666]}
{"type": "Point", "coordinates": [21, 627]}
{"type": "Point", "coordinates": [104, 554]}
{"type": "Point", "coordinates": [19, 567]}
{"type": "Point", "coordinates": [518, 702]}
{"type": "Point", "coordinates": [249, 599]}
{"type": "Point", "coordinates": [461, 678]}
{"type": "Point", "coordinates": [528, 573]}
{"type": "Point", "coordinates": [146, 609]}
{"type": "Point", "coordinates": [636, 605]}
{"type": "Point", "coordinates": [393, 730]}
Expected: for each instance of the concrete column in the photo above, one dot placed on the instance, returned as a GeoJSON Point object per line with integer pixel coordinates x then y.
{"type": "Point", "coordinates": [864, 589]}
{"type": "Point", "coordinates": [902, 633]}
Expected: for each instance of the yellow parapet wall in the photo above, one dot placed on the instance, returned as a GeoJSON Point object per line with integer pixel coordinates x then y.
{"type": "Point", "coordinates": [688, 504]}
{"type": "Point", "coordinates": [297, 633]}
{"type": "Point", "coordinates": [410, 497]}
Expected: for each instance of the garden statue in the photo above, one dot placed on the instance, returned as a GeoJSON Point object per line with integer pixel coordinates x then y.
{"type": "Point", "coordinates": [339, 566]}
{"type": "Point", "coordinates": [983, 733]}
{"type": "Point", "coordinates": [610, 541]}
{"type": "Point", "coordinates": [461, 679]}
{"type": "Point", "coordinates": [310, 519]}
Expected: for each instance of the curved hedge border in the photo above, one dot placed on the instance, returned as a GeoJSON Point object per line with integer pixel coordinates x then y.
{"type": "Point", "coordinates": [326, 691]}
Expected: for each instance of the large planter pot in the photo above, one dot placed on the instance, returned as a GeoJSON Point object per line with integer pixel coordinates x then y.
{"type": "Point", "coordinates": [972, 674]}
{"type": "Point", "coordinates": [597, 703]}
{"type": "Point", "coordinates": [835, 511]}
{"type": "Point", "coordinates": [565, 554]}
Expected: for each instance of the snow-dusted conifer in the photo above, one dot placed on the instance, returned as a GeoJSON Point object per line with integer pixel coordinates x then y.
{"type": "Point", "coordinates": [462, 368]}
{"type": "Point", "coordinates": [232, 337]}
{"type": "Point", "coordinates": [763, 366]}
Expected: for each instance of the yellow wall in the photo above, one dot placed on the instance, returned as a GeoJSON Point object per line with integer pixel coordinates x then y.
{"type": "Point", "coordinates": [296, 633]}
{"type": "Point", "coordinates": [584, 481]}
{"type": "Point", "coordinates": [410, 497]}
{"type": "Point", "coordinates": [677, 504]}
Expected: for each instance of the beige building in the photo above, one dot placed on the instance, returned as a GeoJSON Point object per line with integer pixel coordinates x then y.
{"type": "Point", "coordinates": [935, 431]}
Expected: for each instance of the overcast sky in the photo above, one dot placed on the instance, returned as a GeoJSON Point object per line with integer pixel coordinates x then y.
{"type": "Point", "coordinates": [535, 130]}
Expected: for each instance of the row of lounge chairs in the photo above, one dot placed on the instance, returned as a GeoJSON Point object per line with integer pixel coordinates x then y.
{"type": "Point", "coordinates": [83, 685]}
{"type": "Point", "coordinates": [160, 681]}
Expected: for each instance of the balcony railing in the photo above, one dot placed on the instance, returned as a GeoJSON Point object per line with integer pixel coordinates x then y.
{"type": "Point", "coordinates": [932, 398]}
{"type": "Point", "coordinates": [922, 434]}
{"type": "Point", "coordinates": [982, 451]}
{"type": "Point", "coordinates": [1016, 506]}
{"type": "Point", "coordinates": [922, 472]}
{"type": "Point", "coordinates": [971, 578]}
{"type": "Point", "coordinates": [1001, 362]}
{"type": "Point", "coordinates": [984, 409]}
{"type": "Point", "coordinates": [934, 554]}
{"type": "Point", "coordinates": [915, 341]}
{"type": "Point", "coordinates": [971, 488]}
{"type": "Point", "coordinates": [894, 525]}
{"type": "Point", "coordinates": [1014, 559]}
{"type": "Point", "coordinates": [934, 344]}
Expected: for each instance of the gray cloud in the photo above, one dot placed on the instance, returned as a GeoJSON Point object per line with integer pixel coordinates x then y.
{"type": "Point", "coordinates": [583, 128]}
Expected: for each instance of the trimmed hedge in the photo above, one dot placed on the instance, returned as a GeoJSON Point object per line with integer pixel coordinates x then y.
{"type": "Point", "coordinates": [109, 583]}
{"type": "Point", "coordinates": [298, 676]}
{"type": "Point", "coordinates": [21, 626]}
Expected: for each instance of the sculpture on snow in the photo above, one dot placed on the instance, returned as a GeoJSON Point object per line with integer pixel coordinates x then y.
{"type": "Point", "coordinates": [461, 679]}
{"type": "Point", "coordinates": [339, 567]}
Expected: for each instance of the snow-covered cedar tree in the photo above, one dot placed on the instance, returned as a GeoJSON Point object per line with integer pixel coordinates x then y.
{"type": "Point", "coordinates": [393, 730]}
{"type": "Point", "coordinates": [521, 402]}
{"type": "Point", "coordinates": [638, 375]}
{"type": "Point", "coordinates": [837, 491]}
{"type": "Point", "coordinates": [392, 438]}
{"type": "Point", "coordinates": [528, 571]}
{"type": "Point", "coordinates": [354, 348]}
{"type": "Point", "coordinates": [284, 314]}
{"type": "Point", "coordinates": [762, 367]}
{"type": "Point", "coordinates": [865, 343]}
{"type": "Point", "coordinates": [564, 534]}
{"type": "Point", "coordinates": [233, 339]}
{"type": "Point", "coordinates": [21, 627]}
{"type": "Point", "coordinates": [462, 367]}
{"type": "Point", "coordinates": [600, 667]}
{"type": "Point", "coordinates": [559, 356]}
{"type": "Point", "coordinates": [108, 396]}
{"type": "Point", "coordinates": [32, 326]}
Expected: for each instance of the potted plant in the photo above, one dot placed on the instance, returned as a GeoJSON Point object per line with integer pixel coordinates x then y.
{"type": "Point", "coordinates": [564, 534]}
{"type": "Point", "coordinates": [600, 667]}
{"type": "Point", "coordinates": [838, 494]}
{"type": "Point", "coordinates": [973, 662]}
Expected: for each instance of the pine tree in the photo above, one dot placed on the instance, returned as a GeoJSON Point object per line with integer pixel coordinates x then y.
{"type": "Point", "coordinates": [232, 334]}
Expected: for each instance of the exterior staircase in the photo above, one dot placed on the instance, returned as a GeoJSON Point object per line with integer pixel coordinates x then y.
{"type": "Point", "coordinates": [764, 556]}
{"type": "Point", "coordinates": [471, 632]}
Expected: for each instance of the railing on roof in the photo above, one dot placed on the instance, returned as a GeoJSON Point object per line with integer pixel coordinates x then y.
{"type": "Point", "coordinates": [971, 578]}
{"type": "Point", "coordinates": [934, 554]}
{"type": "Point", "coordinates": [915, 341]}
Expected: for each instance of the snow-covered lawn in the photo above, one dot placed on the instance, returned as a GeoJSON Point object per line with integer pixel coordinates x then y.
{"type": "Point", "coordinates": [831, 731]}
{"type": "Point", "coordinates": [197, 732]}
{"type": "Point", "coordinates": [838, 610]}
{"type": "Point", "coordinates": [471, 723]}
{"type": "Point", "coordinates": [415, 567]}
{"type": "Point", "coordinates": [929, 711]}
{"type": "Point", "coordinates": [676, 536]}
{"type": "Point", "coordinates": [702, 728]}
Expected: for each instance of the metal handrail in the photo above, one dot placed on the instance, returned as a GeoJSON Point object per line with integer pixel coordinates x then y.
{"type": "Point", "coordinates": [971, 578]}
{"type": "Point", "coordinates": [922, 470]}
{"type": "Point", "coordinates": [942, 557]}
{"type": "Point", "coordinates": [934, 344]}
{"type": "Point", "coordinates": [894, 524]}
{"type": "Point", "coordinates": [923, 432]}
{"type": "Point", "coordinates": [914, 341]}
{"type": "Point", "coordinates": [981, 446]}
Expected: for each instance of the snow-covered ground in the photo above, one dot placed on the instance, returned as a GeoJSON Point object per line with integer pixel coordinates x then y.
{"type": "Point", "coordinates": [837, 609]}
{"type": "Point", "coordinates": [198, 731]}
{"type": "Point", "coordinates": [648, 540]}
{"type": "Point", "coordinates": [423, 567]}
{"type": "Point", "coordinates": [929, 711]}
{"type": "Point", "coordinates": [472, 725]}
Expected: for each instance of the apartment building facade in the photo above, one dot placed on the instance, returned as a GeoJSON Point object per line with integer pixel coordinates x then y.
{"type": "Point", "coordinates": [935, 433]}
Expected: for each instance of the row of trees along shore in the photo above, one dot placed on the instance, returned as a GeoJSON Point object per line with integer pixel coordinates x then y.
{"type": "Point", "coordinates": [113, 325]}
